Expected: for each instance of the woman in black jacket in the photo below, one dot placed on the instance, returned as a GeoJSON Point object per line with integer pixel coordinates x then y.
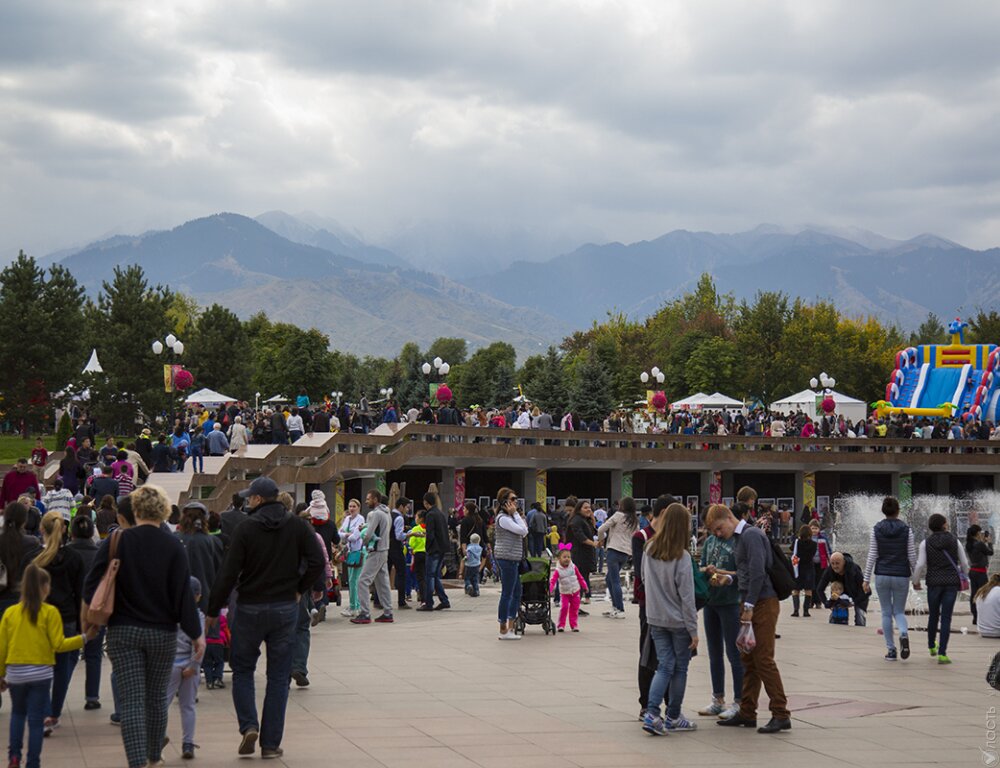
{"type": "Point", "coordinates": [582, 533]}
{"type": "Point", "coordinates": [803, 552]}
{"type": "Point", "coordinates": [204, 551]}
{"type": "Point", "coordinates": [16, 550]}
{"type": "Point", "coordinates": [65, 567]}
{"type": "Point", "coordinates": [81, 532]}
{"type": "Point", "coordinates": [979, 548]}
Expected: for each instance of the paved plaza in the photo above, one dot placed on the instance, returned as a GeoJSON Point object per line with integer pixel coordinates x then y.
{"type": "Point", "coordinates": [438, 690]}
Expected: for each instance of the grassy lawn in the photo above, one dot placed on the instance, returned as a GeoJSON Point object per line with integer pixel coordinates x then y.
{"type": "Point", "coordinates": [13, 447]}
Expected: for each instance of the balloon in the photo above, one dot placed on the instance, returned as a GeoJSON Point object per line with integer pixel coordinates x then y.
{"type": "Point", "coordinates": [443, 394]}
{"type": "Point", "coordinates": [183, 379]}
{"type": "Point", "coordinates": [829, 406]}
{"type": "Point", "coordinates": [659, 401]}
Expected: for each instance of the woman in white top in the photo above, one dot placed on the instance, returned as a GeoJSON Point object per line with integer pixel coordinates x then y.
{"type": "Point", "coordinates": [238, 437]}
{"type": "Point", "coordinates": [616, 535]}
{"type": "Point", "coordinates": [988, 606]}
{"type": "Point", "coordinates": [350, 532]}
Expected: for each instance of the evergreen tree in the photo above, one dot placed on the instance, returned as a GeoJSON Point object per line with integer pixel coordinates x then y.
{"type": "Point", "coordinates": [219, 354]}
{"type": "Point", "coordinates": [549, 389]}
{"type": "Point", "coordinates": [591, 397]}
{"type": "Point", "coordinates": [931, 331]}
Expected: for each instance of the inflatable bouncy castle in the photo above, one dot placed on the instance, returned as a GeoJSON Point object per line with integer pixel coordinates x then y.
{"type": "Point", "coordinates": [945, 379]}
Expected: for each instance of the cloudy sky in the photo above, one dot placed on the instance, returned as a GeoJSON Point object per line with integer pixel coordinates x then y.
{"type": "Point", "coordinates": [563, 120]}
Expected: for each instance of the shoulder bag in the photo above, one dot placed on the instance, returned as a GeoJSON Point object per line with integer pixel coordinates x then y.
{"type": "Point", "coordinates": [102, 606]}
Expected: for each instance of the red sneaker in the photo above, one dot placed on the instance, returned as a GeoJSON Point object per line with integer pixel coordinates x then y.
{"type": "Point", "coordinates": [361, 620]}
{"type": "Point", "coordinates": [383, 619]}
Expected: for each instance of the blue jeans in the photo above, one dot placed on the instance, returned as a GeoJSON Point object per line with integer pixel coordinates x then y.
{"type": "Point", "coordinates": [892, 592]}
{"type": "Point", "coordinates": [940, 602]}
{"type": "Point", "coordinates": [61, 675]}
{"type": "Point", "coordinates": [472, 579]}
{"type": "Point", "coordinates": [28, 702]}
{"type": "Point", "coordinates": [432, 580]}
{"type": "Point", "coordinates": [93, 657]}
{"type": "Point", "coordinates": [536, 544]}
{"type": "Point", "coordinates": [672, 654]}
{"type": "Point", "coordinates": [273, 624]}
{"type": "Point", "coordinates": [600, 558]}
{"type": "Point", "coordinates": [722, 624]}
{"type": "Point", "coordinates": [300, 656]}
{"type": "Point", "coordinates": [616, 560]}
{"type": "Point", "coordinates": [197, 461]}
{"type": "Point", "coordinates": [510, 590]}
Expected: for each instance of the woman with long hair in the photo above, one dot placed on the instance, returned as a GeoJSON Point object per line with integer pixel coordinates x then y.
{"type": "Point", "coordinates": [509, 531]}
{"type": "Point", "coordinates": [71, 471]}
{"type": "Point", "coordinates": [803, 551]}
{"type": "Point", "coordinates": [81, 532]}
{"type": "Point", "coordinates": [17, 549]}
{"type": "Point", "coordinates": [152, 597]}
{"type": "Point", "coordinates": [66, 568]}
{"type": "Point", "coordinates": [668, 581]}
{"type": "Point", "coordinates": [616, 535]}
{"type": "Point", "coordinates": [987, 599]}
{"type": "Point", "coordinates": [354, 557]}
{"type": "Point", "coordinates": [979, 548]}
{"type": "Point", "coordinates": [106, 515]}
{"type": "Point", "coordinates": [204, 551]}
{"type": "Point", "coordinates": [582, 534]}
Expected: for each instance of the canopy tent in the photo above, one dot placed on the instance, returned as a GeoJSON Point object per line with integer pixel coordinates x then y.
{"type": "Point", "coordinates": [278, 399]}
{"type": "Point", "coordinates": [93, 364]}
{"type": "Point", "coordinates": [850, 408]}
{"type": "Point", "coordinates": [716, 400]}
{"type": "Point", "coordinates": [208, 397]}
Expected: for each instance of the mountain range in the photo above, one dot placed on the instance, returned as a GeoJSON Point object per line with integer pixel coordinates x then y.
{"type": "Point", "coordinates": [313, 271]}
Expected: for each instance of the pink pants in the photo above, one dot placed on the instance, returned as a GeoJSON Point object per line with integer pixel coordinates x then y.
{"type": "Point", "coordinates": [569, 604]}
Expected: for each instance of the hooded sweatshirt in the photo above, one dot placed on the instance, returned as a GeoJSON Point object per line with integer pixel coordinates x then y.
{"type": "Point", "coordinates": [264, 559]}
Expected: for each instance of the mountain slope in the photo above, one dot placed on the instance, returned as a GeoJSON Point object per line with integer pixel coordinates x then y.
{"type": "Point", "coordinates": [364, 308]}
{"type": "Point", "coordinates": [331, 237]}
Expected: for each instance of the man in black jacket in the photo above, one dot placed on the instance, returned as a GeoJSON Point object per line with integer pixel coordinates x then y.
{"type": "Point", "coordinates": [843, 569]}
{"type": "Point", "coordinates": [265, 560]}
{"type": "Point", "coordinates": [437, 548]}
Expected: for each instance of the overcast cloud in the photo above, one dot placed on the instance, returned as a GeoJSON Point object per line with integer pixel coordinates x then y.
{"type": "Point", "coordinates": [573, 120]}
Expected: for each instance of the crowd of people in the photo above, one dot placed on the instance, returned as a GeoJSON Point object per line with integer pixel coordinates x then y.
{"type": "Point", "coordinates": [196, 587]}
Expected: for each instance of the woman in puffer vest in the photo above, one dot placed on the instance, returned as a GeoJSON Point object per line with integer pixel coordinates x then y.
{"type": "Point", "coordinates": [947, 573]}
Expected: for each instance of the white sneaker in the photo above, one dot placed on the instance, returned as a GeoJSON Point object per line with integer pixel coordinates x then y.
{"type": "Point", "coordinates": [730, 712]}
{"type": "Point", "coordinates": [509, 636]}
{"type": "Point", "coordinates": [717, 707]}
{"type": "Point", "coordinates": [618, 615]}
{"type": "Point", "coordinates": [348, 613]}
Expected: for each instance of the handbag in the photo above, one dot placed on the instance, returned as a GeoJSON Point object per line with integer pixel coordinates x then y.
{"type": "Point", "coordinates": [102, 605]}
{"type": "Point", "coordinates": [993, 673]}
{"type": "Point", "coordinates": [353, 559]}
{"type": "Point", "coordinates": [963, 580]}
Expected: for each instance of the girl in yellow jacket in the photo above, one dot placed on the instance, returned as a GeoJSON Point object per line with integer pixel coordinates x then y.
{"type": "Point", "coordinates": [31, 634]}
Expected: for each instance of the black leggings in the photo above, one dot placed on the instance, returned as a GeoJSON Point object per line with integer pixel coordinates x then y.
{"type": "Point", "coordinates": [976, 582]}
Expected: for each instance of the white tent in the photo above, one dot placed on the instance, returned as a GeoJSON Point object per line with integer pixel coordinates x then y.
{"type": "Point", "coordinates": [208, 397]}
{"type": "Point", "coordinates": [850, 408]}
{"type": "Point", "coordinates": [716, 400]}
{"type": "Point", "coordinates": [93, 365]}
{"type": "Point", "coordinates": [278, 399]}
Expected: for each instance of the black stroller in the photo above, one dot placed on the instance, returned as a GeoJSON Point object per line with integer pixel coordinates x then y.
{"type": "Point", "coordinates": [535, 607]}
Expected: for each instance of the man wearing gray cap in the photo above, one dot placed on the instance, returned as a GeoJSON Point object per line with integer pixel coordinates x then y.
{"type": "Point", "coordinates": [264, 561]}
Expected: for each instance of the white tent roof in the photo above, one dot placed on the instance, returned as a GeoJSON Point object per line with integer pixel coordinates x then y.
{"type": "Point", "coordinates": [278, 399]}
{"type": "Point", "coordinates": [208, 397]}
{"type": "Point", "coordinates": [715, 400]}
{"type": "Point", "coordinates": [93, 365]}
{"type": "Point", "coordinates": [808, 397]}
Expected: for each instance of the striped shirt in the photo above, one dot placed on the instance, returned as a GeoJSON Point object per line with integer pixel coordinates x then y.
{"type": "Point", "coordinates": [28, 673]}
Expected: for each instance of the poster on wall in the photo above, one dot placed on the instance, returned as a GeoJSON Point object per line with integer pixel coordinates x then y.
{"type": "Point", "coordinates": [823, 507]}
{"type": "Point", "coordinates": [640, 503]}
{"type": "Point", "coordinates": [485, 504]}
{"type": "Point", "coordinates": [692, 504]}
{"type": "Point", "coordinates": [550, 503]}
{"type": "Point", "coordinates": [601, 504]}
{"type": "Point", "coordinates": [786, 508]}
{"type": "Point", "coordinates": [765, 503]}
{"type": "Point", "coordinates": [728, 501]}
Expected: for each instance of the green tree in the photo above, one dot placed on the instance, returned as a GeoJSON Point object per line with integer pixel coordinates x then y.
{"type": "Point", "coordinates": [64, 430]}
{"type": "Point", "coordinates": [40, 337]}
{"type": "Point", "coordinates": [288, 358]}
{"type": "Point", "coordinates": [183, 313]}
{"type": "Point", "coordinates": [219, 353]}
{"type": "Point", "coordinates": [453, 351]}
{"type": "Point", "coordinates": [549, 389]}
{"type": "Point", "coordinates": [129, 315]}
{"type": "Point", "coordinates": [984, 327]}
{"type": "Point", "coordinates": [759, 328]}
{"type": "Point", "coordinates": [487, 378]}
{"type": "Point", "coordinates": [410, 387]}
{"type": "Point", "coordinates": [712, 366]}
{"type": "Point", "coordinates": [931, 331]}
{"type": "Point", "coordinates": [591, 396]}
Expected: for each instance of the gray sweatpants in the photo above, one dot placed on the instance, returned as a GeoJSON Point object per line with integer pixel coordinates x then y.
{"type": "Point", "coordinates": [186, 691]}
{"type": "Point", "coordinates": [375, 570]}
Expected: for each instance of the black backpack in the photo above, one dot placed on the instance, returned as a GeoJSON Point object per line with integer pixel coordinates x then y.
{"type": "Point", "coordinates": [993, 673]}
{"type": "Point", "coordinates": [781, 573]}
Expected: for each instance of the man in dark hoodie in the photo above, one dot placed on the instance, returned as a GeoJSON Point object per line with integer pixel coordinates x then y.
{"type": "Point", "coordinates": [843, 569]}
{"type": "Point", "coordinates": [265, 561]}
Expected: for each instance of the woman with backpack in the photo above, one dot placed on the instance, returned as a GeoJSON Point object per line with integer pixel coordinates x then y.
{"type": "Point", "coordinates": [17, 549]}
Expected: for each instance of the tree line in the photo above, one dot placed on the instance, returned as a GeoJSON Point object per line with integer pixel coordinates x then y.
{"type": "Point", "coordinates": [703, 341]}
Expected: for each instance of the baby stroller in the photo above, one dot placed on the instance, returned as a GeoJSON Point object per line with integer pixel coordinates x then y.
{"type": "Point", "coordinates": [535, 607]}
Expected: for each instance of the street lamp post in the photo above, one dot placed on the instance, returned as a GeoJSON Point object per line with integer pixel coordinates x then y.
{"type": "Point", "coordinates": [657, 377]}
{"type": "Point", "coordinates": [175, 348]}
{"type": "Point", "coordinates": [337, 394]}
{"type": "Point", "coordinates": [438, 365]}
